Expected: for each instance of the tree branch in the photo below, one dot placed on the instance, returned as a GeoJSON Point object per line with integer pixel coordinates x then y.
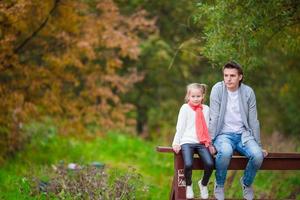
{"type": "Point", "coordinates": [28, 39]}
{"type": "Point", "coordinates": [19, 48]}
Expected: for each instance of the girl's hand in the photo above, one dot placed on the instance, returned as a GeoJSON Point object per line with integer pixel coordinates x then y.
{"type": "Point", "coordinates": [176, 148]}
{"type": "Point", "coordinates": [212, 149]}
{"type": "Point", "coordinates": [265, 152]}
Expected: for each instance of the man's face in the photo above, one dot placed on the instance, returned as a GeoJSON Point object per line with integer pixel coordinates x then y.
{"type": "Point", "coordinates": [232, 78]}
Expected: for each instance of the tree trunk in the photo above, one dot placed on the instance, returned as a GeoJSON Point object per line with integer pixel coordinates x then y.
{"type": "Point", "coordinates": [142, 122]}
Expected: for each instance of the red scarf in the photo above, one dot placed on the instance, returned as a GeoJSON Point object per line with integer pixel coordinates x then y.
{"type": "Point", "coordinates": [201, 127]}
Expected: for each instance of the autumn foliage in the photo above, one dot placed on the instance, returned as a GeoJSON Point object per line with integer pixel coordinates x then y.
{"type": "Point", "coordinates": [65, 59]}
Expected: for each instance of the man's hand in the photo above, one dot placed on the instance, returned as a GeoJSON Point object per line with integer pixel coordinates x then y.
{"type": "Point", "coordinates": [265, 152]}
{"type": "Point", "coordinates": [176, 148]}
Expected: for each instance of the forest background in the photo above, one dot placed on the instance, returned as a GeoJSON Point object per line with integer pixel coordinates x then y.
{"type": "Point", "coordinates": [79, 70]}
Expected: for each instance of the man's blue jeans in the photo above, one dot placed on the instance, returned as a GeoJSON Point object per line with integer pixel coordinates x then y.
{"type": "Point", "coordinates": [226, 144]}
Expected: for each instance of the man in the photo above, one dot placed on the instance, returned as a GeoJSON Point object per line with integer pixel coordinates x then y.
{"type": "Point", "coordinates": [233, 127]}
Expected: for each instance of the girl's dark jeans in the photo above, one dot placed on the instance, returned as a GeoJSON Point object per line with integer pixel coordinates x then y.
{"type": "Point", "coordinates": [203, 152]}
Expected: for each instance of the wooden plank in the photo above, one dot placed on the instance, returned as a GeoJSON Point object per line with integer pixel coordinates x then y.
{"type": "Point", "coordinates": [274, 161]}
{"type": "Point", "coordinates": [270, 155]}
{"type": "Point", "coordinates": [164, 149]}
{"type": "Point", "coordinates": [239, 163]}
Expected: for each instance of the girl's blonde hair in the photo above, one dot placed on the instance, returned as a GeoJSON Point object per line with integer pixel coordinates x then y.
{"type": "Point", "coordinates": [201, 86]}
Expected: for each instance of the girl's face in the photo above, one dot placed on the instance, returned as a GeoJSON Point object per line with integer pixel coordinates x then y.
{"type": "Point", "coordinates": [196, 96]}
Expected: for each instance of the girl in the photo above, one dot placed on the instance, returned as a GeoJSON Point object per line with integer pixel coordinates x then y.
{"type": "Point", "coordinates": [192, 135]}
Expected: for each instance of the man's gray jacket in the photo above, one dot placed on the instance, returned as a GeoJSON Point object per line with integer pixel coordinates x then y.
{"type": "Point", "coordinates": [247, 103]}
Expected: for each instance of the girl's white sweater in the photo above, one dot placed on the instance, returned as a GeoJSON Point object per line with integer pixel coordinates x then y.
{"type": "Point", "coordinates": [185, 128]}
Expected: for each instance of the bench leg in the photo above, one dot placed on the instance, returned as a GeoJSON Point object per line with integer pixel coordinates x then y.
{"type": "Point", "coordinates": [179, 180]}
{"type": "Point", "coordinates": [172, 193]}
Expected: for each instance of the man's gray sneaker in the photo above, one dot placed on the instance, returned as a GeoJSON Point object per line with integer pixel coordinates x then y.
{"type": "Point", "coordinates": [219, 192]}
{"type": "Point", "coordinates": [248, 192]}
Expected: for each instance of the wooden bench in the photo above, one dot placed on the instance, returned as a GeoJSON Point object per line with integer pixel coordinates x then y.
{"type": "Point", "coordinates": [274, 161]}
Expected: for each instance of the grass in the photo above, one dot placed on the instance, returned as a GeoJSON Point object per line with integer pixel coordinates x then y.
{"type": "Point", "coordinates": [115, 150]}
{"type": "Point", "coordinates": [120, 152]}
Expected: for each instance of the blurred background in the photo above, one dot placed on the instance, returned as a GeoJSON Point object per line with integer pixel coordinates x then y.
{"type": "Point", "coordinates": [99, 83]}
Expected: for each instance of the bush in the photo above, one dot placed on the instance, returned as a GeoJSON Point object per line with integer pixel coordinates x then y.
{"type": "Point", "coordinates": [89, 182]}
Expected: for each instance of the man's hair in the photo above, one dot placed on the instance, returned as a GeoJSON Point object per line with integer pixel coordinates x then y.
{"type": "Point", "coordinates": [234, 65]}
